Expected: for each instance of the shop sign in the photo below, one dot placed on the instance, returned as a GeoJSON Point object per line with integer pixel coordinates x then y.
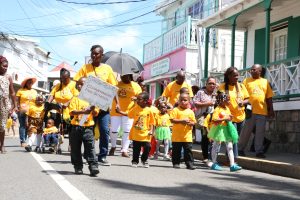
{"type": "Point", "coordinates": [160, 67]}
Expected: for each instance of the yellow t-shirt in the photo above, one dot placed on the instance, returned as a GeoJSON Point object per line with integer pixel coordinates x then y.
{"type": "Point", "coordinates": [163, 120]}
{"type": "Point", "coordinates": [143, 118]}
{"type": "Point", "coordinates": [182, 132]}
{"type": "Point", "coordinates": [52, 129]}
{"type": "Point", "coordinates": [27, 98]}
{"type": "Point", "coordinates": [237, 112]}
{"type": "Point", "coordinates": [125, 93]}
{"type": "Point", "coordinates": [172, 91]}
{"type": "Point", "coordinates": [104, 72]}
{"type": "Point", "coordinates": [259, 90]}
{"type": "Point", "coordinates": [35, 111]}
{"type": "Point", "coordinates": [208, 121]}
{"type": "Point", "coordinates": [220, 113]}
{"type": "Point", "coordinates": [66, 93]}
{"type": "Point", "coordinates": [78, 104]}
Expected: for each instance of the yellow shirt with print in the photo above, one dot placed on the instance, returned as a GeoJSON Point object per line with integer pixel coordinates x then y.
{"type": "Point", "coordinates": [143, 118]}
{"type": "Point", "coordinates": [220, 113]}
{"type": "Point", "coordinates": [64, 95]}
{"type": "Point", "coordinates": [259, 90]}
{"type": "Point", "coordinates": [182, 132]}
{"type": "Point", "coordinates": [163, 120]}
{"type": "Point", "coordinates": [208, 121]}
{"type": "Point", "coordinates": [104, 72]}
{"type": "Point", "coordinates": [125, 93]}
{"type": "Point", "coordinates": [78, 104]}
{"type": "Point", "coordinates": [172, 91]}
{"type": "Point", "coordinates": [237, 112]}
{"type": "Point", "coordinates": [52, 129]}
{"type": "Point", "coordinates": [35, 111]}
{"type": "Point", "coordinates": [27, 98]}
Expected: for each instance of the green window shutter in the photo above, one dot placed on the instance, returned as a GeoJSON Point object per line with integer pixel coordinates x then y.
{"type": "Point", "coordinates": [293, 43]}
{"type": "Point", "coordinates": [259, 46]}
{"type": "Point", "coordinates": [158, 91]}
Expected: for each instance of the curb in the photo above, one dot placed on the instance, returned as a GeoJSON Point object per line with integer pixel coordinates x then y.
{"type": "Point", "coordinates": [261, 165]}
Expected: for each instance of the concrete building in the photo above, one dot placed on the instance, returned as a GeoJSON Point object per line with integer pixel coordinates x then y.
{"type": "Point", "coordinates": [26, 59]}
{"type": "Point", "coordinates": [272, 38]}
{"type": "Point", "coordinates": [178, 45]}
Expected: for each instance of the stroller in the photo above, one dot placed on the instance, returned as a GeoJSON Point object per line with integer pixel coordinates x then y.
{"type": "Point", "coordinates": [52, 111]}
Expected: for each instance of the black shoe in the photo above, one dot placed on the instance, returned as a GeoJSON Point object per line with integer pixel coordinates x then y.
{"type": "Point", "coordinates": [267, 144]}
{"type": "Point", "coordinates": [93, 170]}
{"type": "Point", "coordinates": [260, 155]}
{"type": "Point", "coordinates": [176, 166]}
{"type": "Point", "coordinates": [104, 162]}
{"type": "Point", "coordinates": [28, 148]}
{"type": "Point", "coordinates": [191, 167]}
{"type": "Point", "coordinates": [78, 171]}
{"type": "Point", "coordinates": [242, 153]}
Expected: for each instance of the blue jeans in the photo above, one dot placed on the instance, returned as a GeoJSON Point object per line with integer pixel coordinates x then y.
{"type": "Point", "coordinates": [238, 127]}
{"type": "Point", "coordinates": [103, 121]}
{"type": "Point", "coordinates": [22, 128]}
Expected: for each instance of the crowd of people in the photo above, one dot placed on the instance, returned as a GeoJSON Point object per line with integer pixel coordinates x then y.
{"type": "Point", "coordinates": [212, 115]}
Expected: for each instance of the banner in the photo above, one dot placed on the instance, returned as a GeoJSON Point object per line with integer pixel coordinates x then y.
{"type": "Point", "coordinates": [98, 93]}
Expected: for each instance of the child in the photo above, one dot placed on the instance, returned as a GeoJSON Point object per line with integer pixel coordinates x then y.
{"type": "Point", "coordinates": [50, 133]}
{"type": "Point", "coordinates": [162, 131]}
{"type": "Point", "coordinates": [223, 130]}
{"type": "Point", "coordinates": [183, 120]}
{"type": "Point", "coordinates": [82, 132]}
{"type": "Point", "coordinates": [34, 122]}
{"type": "Point", "coordinates": [142, 128]}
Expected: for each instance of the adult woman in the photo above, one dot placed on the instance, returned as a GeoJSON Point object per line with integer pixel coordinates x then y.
{"type": "Point", "coordinates": [62, 93]}
{"type": "Point", "coordinates": [127, 90]}
{"type": "Point", "coordinates": [238, 95]}
{"type": "Point", "coordinates": [26, 96]}
{"type": "Point", "coordinates": [105, 73]}
{"type": "Point", "coordinates": [204, 102]}
{"type": "Point", "coordinates": [6, 91]}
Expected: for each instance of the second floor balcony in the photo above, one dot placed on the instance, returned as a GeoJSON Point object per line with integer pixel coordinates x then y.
{"type": "Point", "coordinates": [183, 35]}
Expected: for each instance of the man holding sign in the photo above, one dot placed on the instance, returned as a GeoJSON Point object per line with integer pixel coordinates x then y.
{"type": "Point", "coordinates": [105, 73]}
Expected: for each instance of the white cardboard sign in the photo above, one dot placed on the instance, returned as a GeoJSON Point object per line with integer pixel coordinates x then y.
{"type": "Point", "coordinates": [98, 93]}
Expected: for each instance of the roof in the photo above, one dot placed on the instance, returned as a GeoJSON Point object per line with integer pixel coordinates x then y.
{"type": "Point", "coordinates": [63, 65]}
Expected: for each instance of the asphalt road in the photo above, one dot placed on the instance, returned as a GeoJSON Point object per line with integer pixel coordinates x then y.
{"type": "Point", "coordinates": [46, 176]}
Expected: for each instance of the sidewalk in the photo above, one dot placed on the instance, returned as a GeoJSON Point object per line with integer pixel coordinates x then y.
{"type": "Point", "coordinates": [282, 164]}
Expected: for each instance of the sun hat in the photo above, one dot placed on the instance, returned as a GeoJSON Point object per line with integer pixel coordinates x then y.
{"type": "Point", "coordinates": [26, 79]}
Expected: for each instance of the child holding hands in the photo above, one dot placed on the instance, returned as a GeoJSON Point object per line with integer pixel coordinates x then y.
{"type": "Point", "coordinates": [82, 132]}
{"type": "Point", "coordinates": [183, 120]}
{"type": "Point", "coordinates": [142, 128]}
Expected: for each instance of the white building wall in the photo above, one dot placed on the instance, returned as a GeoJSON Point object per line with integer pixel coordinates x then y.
{"type": "Point", "coordinates": [25, 59]}
{"type": "Point", "coordinates": [277, 13]}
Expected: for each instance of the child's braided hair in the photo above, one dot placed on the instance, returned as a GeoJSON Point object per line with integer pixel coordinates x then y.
{"type": "Point", "coordinates": [221, 97]}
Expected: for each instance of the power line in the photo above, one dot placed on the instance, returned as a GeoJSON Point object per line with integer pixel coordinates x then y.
{"type": "Point", "coordinates": [93, 30]}
{"type": "Point", "coordinates": [102, 3]}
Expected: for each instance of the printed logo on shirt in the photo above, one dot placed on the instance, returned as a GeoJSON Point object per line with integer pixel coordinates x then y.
{"type": "Point", "coordinates": [140, 123]}
{"type": "Point", "coordinates": [122, 92]}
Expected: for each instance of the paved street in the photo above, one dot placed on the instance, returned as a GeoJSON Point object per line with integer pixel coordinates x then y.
{"type": "Point", "coordinates": [22, 177]}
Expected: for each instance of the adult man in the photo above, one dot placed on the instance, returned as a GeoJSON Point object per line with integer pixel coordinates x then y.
{"type": "Point", "coordinates": [260, 97]}
{"type": "Point", "coordinates": [172, 89]}
{"type": "Point", "coordinates": [105, 73]}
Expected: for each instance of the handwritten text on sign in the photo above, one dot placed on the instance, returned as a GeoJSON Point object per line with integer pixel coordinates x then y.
{"type": "Point", "coordinates": [98, 92]}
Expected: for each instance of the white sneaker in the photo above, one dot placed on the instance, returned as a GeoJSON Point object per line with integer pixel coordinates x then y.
{"type": "Point", "coordinates": [209, 163]}
{"type": "Point", "coordinates": [134, 164]}
{"type": "Point", "coordinates": [145, 164]}
{"type": "Point", "coordinates": [167, 158]}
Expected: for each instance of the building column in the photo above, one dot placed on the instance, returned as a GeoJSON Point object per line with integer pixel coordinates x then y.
{"type": "Point", "coordinates": [233, 27]}
{"type": "Point", "coordinates": [206, 53]}
{"type": "Point", "coordinates": [267, 6]}
{"type": "Point", "coordinates": [245, 49]}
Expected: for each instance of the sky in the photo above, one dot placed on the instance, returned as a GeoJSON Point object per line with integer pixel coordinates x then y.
{"type": "Point", "coordinates": [68, 30]}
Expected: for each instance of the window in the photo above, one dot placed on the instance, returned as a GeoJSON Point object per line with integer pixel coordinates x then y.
{"type": "Point", "coordinates": [196, 10]}
{"type": "Point", "coordinates": [278, 44]}
{"type": "Point", "coordinates": [41, 64]}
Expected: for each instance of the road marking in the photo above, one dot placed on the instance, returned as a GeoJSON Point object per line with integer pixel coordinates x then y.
{"type": "Point", "coordinates": [63, 183]}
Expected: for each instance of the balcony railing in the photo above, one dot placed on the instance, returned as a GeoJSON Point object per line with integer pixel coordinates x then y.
{"type": "Point", "coordinates": [181, 35]}
{"type": "Point", "coordinates": [284, 77]}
